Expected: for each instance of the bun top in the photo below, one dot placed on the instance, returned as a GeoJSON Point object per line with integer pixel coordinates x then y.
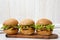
{"type": "Point", "coordinates": [43, 22]}
{"type": "Point", "coordinates": [26, 22]}
{"type": "Point", "coordinates": [11, 21]}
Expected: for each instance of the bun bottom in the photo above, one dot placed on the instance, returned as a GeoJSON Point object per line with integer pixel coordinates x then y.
{"type": "Point", "coordinates": [39, 32]}
{"type": "Point", "coordinates": [26, 32]}
{"type": "Point", "coordinates": [11, 31]}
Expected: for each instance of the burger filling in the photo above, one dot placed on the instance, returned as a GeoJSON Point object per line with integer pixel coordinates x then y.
{"type": "Point", "coordinates": [6, 27]}
{"type": "Point", "coordinates": [49, 27]}
{"type": "Point", "coordinates": [26, 27]}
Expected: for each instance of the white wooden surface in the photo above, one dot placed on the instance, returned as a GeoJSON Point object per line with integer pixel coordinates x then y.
{"type": "Point", "coordinates": [4, 10]}
{"type": "Point", "coordinates": [33, 9]}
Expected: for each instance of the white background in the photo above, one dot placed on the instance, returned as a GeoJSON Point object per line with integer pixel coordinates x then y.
{"type": "Point", "coordinates": [33, 9]}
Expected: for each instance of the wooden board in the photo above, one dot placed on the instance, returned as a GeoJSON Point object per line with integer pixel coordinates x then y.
{"type": "Point", "coordinates": [52, 36]}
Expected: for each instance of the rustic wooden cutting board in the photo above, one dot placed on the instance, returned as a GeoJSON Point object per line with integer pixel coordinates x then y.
{"type": "Point", "coordinates": [52, 36]}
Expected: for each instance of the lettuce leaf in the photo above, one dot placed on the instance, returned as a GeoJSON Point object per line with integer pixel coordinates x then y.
{"type": "Point", "coordinates": [8, 27]}
{"type": "Point", "coordinates": [4, 27]}
{"type": "Point", "coordinates": [48, 27]}
{"type": "Point", "coordinates": [38, 26]}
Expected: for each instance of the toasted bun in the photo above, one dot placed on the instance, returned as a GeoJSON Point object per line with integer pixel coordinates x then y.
{"type": "Point", "coordinates": [27, 32]}
{"type": "Point", "coordinates": [11, 22]}
{"type": "Point", "coordinates": [26, 22]}
{"type": "Point", "coordinates": [44, 32]}
{"type": "Point", "coordinates": [43, 22]}
{"type": "Point", "coordinates": [11, 31]}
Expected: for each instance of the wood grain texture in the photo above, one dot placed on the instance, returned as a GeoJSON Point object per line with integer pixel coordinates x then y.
{"type": "Point", "coordinates": [53, 36]}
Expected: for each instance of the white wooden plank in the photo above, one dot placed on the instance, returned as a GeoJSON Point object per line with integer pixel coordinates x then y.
{"type": "Point", "coordinates": [47, 9]}
{"type": "Point", "coordinates": [57, 12]}
{"type": "Point", "coordinates": [4, 10]}
{"type": "Point", "coordinates": [21, 9]}
{"type": "Point", "coordinates": [34, 9]}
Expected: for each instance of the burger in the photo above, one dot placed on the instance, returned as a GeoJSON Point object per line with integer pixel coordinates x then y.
{"type": "Point", "coordinates": [27, 27]}
{"type": "Point", "coordinates": [10, 26]}
{"type": "Point", "coordinates": [44, 27]}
